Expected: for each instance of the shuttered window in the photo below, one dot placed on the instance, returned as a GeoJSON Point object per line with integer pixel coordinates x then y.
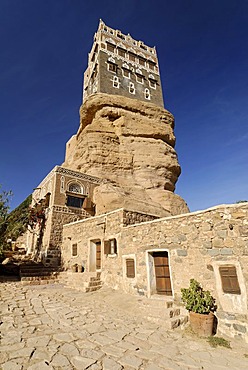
{"type": "Point", "coordinates": [110, 246]}
{"type": "Point", "coordinates": [229, 279]}
{"type": "Point", "coordinates": [130, 268]}
{"type": "Point", "coordinates": [74, 250]}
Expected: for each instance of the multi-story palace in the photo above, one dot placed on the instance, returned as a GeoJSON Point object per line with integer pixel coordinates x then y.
{"type": "Point", "coordinates": [120, 65]}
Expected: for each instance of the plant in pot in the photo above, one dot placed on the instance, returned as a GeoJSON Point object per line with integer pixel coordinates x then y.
{"type": "Point", "coordinates": [201, 306]}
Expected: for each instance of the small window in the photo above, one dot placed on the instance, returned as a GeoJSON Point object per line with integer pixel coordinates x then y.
{"type": "Point", "coordinates": [152, 84]}
{"type": "Point", "coordinates": [130, 268]}
{"type": "Point", "coordinates": [229, 280]}
{"type": "Point", "coordinates": [151, 65]}
{"type": "Point", "coordinates": [110, 246]}
{"type": "Point", "coordinates": [116, 82]}
{"type": "Point", "coordinates": [121, 52]}
{"type": "Point", "coordinates": [110, 47]}
{"type": "Point", "coordinates": [131, 88]}
{"type": "Point", "coordinates": [147, 94]}
{"type": "Point", "coordinates": [139, 78]}
{"type": "Point", "coordinates": [112, 67]}
{"type": "Point", "coordinates": [131, 57]}
{"type": "Point", "coordinates": [74, 250]}
{"type": "Point", "coordinates": [126, 72]}
{"type": "Point", "coordinates": [142, 61]}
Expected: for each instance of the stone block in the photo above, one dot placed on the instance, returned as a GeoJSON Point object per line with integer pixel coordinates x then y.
{"type": "Point", "coordinates": [240, 328]}
{"type": "Point", "coordinates": [217, 243]}
{"type": "Point", "coordinates": [182, 252]}
{"type": "Point", "coordinates": [213, 252]}
{"type": "Point", "coordinates": [226, 251]}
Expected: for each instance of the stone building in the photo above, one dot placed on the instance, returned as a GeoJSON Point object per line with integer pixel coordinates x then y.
{"type": "Point", "coordinates": [160, 256]}
{"type": "Point", "coordinates": [120, 65]}
{"type": "Point", "coordinates": [110, 208]}
{"type": "Point", "coordinates": [63, 196]}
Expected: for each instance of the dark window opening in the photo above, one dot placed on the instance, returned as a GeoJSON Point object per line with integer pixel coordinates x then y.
{"type": "Point", "coordinates": [110, 47]}
{"type": "Point", "coordinates": [131, 57]}
{"type": "Point", "coordinates": [142, 61]}
{"type": "Point", "coordinates": [229, 279]}
{"type": "Point", "coordinates": [74, 250]}
{"type": "Point", "coordinates": [112, 67]}
{"type": "Point", "coordinates": [139, 78]}
{"type": "Point", "coordinates": [130, 268]}
{"type": "Point", "coordinates": [126, 73]}
{"type": "Point", "coordinates": [72, 201]}
{"type": "Point", "coordinates": [121, 52]}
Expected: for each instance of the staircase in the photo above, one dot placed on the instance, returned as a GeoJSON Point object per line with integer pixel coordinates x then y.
{"type": "Point", "coordinates": [163, 311]}
{"type": "Point", "coordinates": [83, 281]}
{"type": "Point", "coordinates": [35, 273]}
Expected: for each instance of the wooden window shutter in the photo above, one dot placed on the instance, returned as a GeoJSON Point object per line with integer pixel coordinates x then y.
{"type": "Point", "coordinates": [130, 268]}
{"type": "Point", "coordinates": [229, 280]}
{"type": "Point", "coordinates": [74, 249]}
{"type": "Point", "coordinates": [107, 247]}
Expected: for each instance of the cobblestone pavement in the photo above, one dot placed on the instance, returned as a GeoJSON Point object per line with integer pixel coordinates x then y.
{"type": "Point", "coordinates": [53, 327]}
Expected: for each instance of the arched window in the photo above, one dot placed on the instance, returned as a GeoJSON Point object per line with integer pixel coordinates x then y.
{"type": "Point", "coordinates": [75, 188]}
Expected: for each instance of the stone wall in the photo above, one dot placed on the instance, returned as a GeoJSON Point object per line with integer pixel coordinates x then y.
{"type": "Point", "coordinates": [198, 244]}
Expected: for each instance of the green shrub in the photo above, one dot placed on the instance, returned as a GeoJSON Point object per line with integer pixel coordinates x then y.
{"type": "Point", "coordinates": [198, 300]}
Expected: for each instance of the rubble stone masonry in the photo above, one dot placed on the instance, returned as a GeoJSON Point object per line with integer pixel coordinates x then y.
{"type": "Point", "coordinates": [198, 244]}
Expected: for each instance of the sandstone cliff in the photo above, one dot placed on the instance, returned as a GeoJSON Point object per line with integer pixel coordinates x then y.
{"type": "Point", "coordinates": [129, 144]}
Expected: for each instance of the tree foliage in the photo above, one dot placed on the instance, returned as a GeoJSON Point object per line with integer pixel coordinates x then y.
{"type": "Point", "coordinates": [15, 223]}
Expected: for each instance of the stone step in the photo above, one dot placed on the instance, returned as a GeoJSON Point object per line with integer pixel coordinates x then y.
{"type": "Point", "coordinates": [158, 301]}
{"type": "Point", "coordinates": [38, 282]}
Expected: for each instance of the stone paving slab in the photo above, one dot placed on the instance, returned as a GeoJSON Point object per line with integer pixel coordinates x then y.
{"type": "Point", "coordinates": [54, 327]}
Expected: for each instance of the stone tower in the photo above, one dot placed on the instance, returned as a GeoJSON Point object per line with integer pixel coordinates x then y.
{"type": "Point", "coordinates": [120, 65]}
{"type": "Point", "coordinates": [125, 136]}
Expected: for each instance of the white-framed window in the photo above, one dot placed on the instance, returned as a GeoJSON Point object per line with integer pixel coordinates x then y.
{"type": "Point", "coordinates": [121, 52]}
{"type": "Point", "coordinates": [139, 78]}
{"type": "Point", "coordinates": [110, 47]}
{"type": "Point", "coordinates": [116, 82]}
{"type": "Point", "coordinates": [147, 94]}
{"type": "Point", "coordinates": [75, 188]}
{"type": "Point", "coordinates": [131, 88]}
{"type": "Point", "coordinates": [126, 73]}
{"type": "Point", "coordinates": [152, 84]}
{"type": "Point", "coordinates": [112, 67]}
{"type": "Point", "coordinates": [125, 70]}
{"type": "Point", "coordinates": [131, 57]}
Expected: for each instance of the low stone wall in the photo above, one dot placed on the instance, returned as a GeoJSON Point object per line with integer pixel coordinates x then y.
{"type": "Point", "coordinates": [197, 244]}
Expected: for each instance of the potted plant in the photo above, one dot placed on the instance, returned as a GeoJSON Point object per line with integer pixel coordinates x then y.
{"type": "Point", "coordinates": [201, 306]}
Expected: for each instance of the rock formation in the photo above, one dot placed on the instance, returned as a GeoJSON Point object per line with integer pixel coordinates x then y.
{"type": "Point", "coordinates": [130, 145]}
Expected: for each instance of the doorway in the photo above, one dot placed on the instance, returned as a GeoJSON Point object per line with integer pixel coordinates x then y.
{"type": "Point", "coordinates": [159, 281]}
{"type": "Point", "coordinates": [95, 255]}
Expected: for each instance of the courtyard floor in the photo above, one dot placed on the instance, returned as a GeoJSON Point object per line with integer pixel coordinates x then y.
{"type": "Point", "coordinates": [53, 327]}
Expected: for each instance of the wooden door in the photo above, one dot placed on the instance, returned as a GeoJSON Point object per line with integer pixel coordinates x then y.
{"type": "Point", "coordinates": [98, 255]}
{"type": "Point", "coordinates": [162, 273]}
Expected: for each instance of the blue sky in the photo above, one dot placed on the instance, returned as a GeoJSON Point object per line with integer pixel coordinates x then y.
{"type": "Point", "coordinates": [203, 54]}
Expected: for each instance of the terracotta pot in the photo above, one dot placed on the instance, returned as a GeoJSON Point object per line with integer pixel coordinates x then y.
{"type": "Point", "coordinates": [202, 324]}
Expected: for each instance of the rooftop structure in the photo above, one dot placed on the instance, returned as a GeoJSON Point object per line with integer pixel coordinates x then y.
{"type": "Point", "coordinates": [120, 65]}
